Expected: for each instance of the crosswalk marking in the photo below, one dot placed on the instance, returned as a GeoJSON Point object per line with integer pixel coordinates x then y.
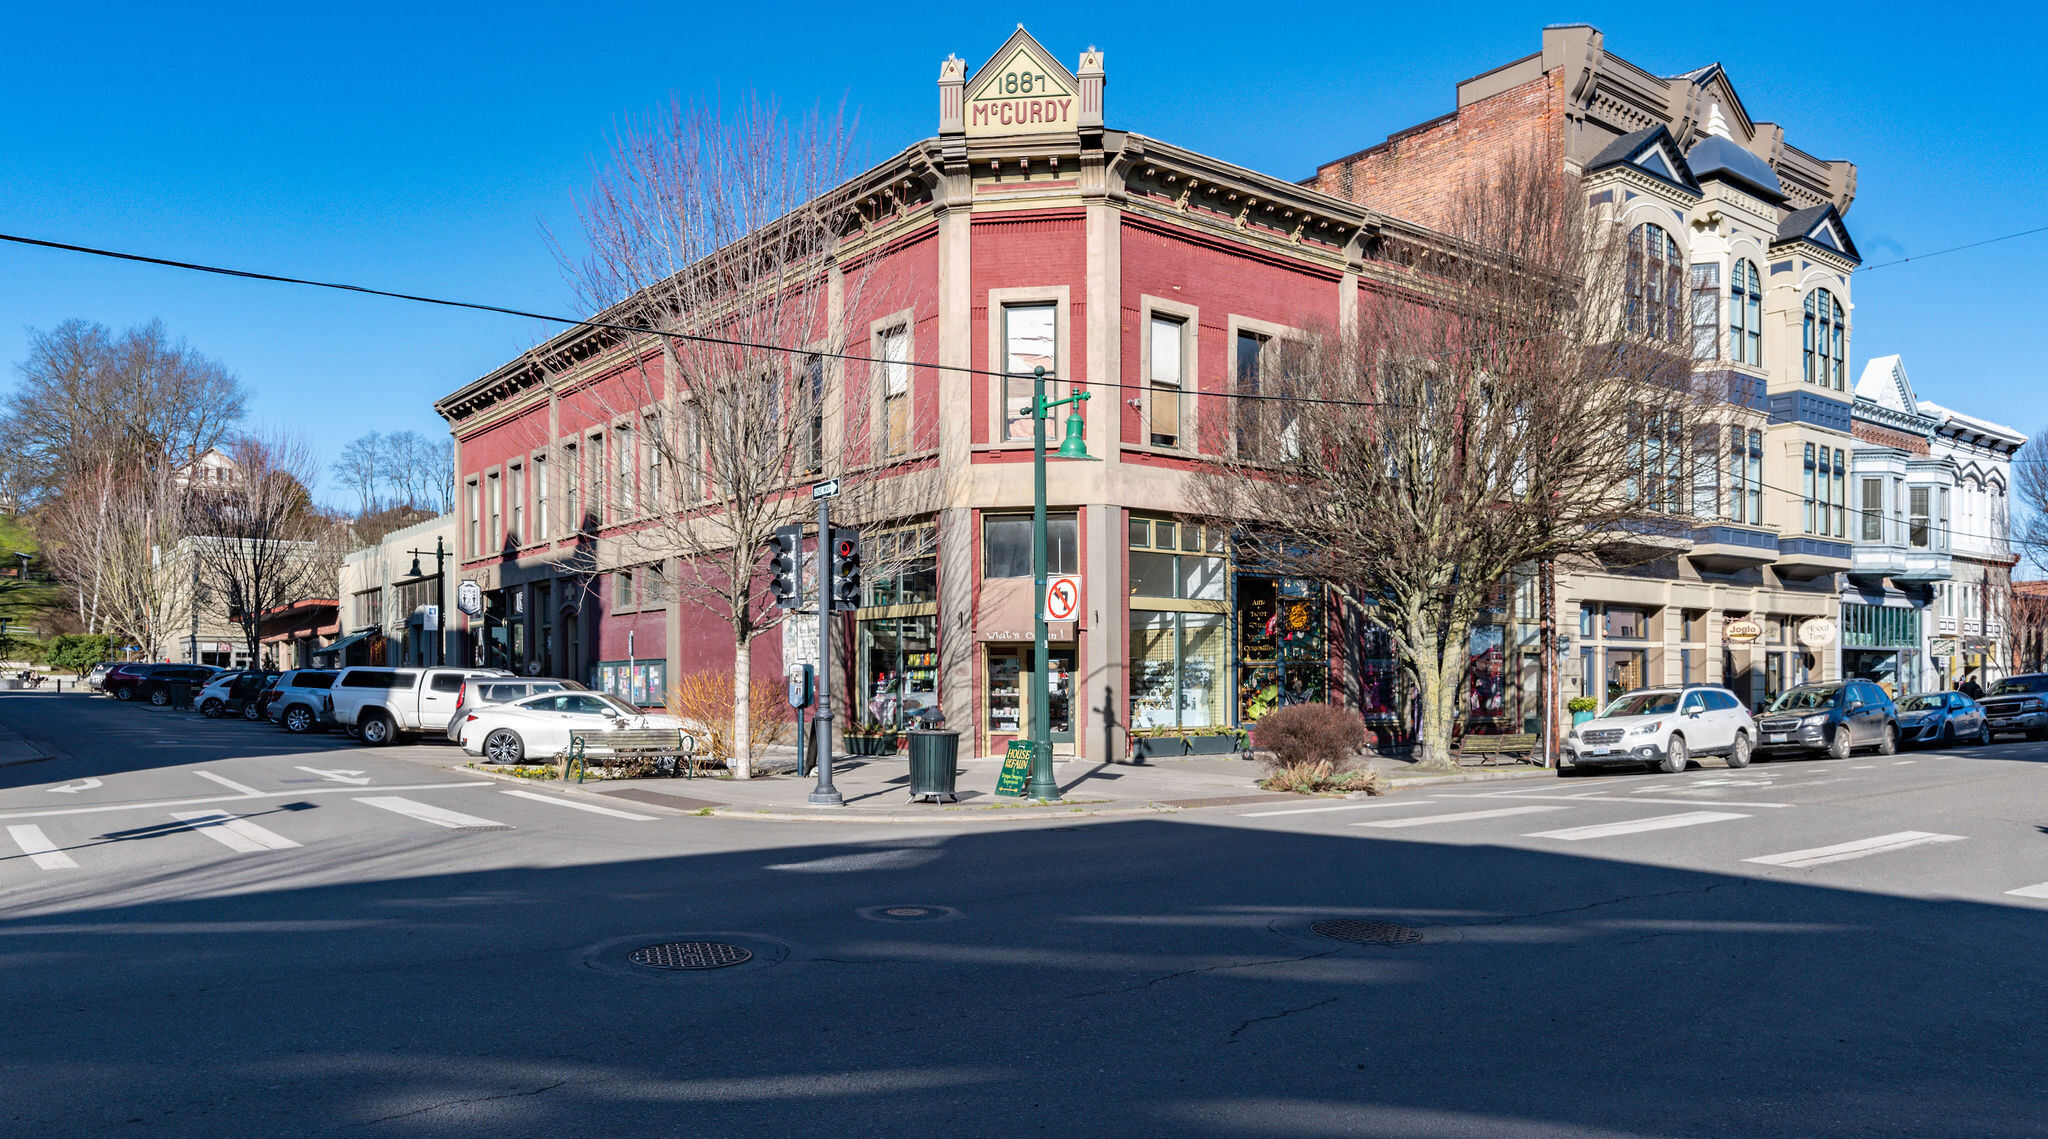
{"type": "Point", "coordinates": [2040, 891]}
{"type": "Point", "coordinates": [593, 808]}
{"type": "Point", "coordinates": [40, 849]}
{"type": "Point", "coordinates": [425, 813]}
{"type": "Point", "coordinates": [230, 784]}
{"type": "Point", "coordinates": [1860, 848]}
{"type": "Point", "coordinates": [1338, 807]}
{"type": "Point", "coordinates": [1457, 817]}
{"type": "Point", "coordinates": [237, 834]}
{"type": "Point", "coordinates": [1636, 826]}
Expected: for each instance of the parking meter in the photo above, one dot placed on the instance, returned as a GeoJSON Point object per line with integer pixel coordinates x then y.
{"type": "Point", "coordinates": [800, 686]}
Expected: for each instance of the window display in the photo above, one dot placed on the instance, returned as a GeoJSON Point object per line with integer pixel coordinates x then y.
{"type": "Point", "coordinates": [899, 669]}
{"type": "Point", "coordinates": [1177, 670]}
{"type": "Point", "coordinates": [1281, 652]}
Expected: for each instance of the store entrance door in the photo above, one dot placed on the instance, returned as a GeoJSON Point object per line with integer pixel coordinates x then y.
{"type": "Point", "coordinates": [1009, 678]}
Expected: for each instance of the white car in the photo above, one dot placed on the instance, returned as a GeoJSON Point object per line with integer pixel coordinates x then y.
{"type": "Point", "coordinates": [539, 726]}
{"type": "Point", "coordinates": [1663, 727]}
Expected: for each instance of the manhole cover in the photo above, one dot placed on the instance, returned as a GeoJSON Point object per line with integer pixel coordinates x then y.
{"type": "Point", "coordinates": [1367, 932]}
{"type": "Point", "coordinates": [906, 911]}
{"type": "Point", "coordinates": [690, 955]}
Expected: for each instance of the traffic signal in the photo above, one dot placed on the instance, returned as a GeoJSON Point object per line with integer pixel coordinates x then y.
{"type": "Point", "coordinates": [845, 569]}
{"type": "Point", "coordinates": [784, 561]}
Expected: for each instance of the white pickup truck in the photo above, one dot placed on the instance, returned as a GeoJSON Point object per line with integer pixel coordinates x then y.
{"type": "Point", "coordinates": [387, 704]}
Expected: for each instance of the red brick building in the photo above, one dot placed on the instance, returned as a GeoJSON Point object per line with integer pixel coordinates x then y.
{"type": "Point", "coordinates": [1026, 232]}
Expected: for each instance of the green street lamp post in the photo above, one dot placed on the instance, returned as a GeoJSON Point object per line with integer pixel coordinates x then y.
{"type": "Point", "coordinates": [1043, 786]}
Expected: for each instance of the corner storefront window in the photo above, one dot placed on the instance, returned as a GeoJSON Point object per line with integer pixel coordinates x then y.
{"type": "Point", "coordinates": [1282, 655]}
{"type": "Point", "coordinates": [899, 669]}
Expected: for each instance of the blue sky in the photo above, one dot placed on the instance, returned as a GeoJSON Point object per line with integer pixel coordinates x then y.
{"type": "Point", "coordinates": [425, 150]}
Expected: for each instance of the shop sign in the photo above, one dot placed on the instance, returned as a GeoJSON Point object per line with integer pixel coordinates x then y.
{"type": "Point", "coordinates": [1942, 648]}
{"type": "Point", "coordinates": [800, 639]}
{"type": "Point", "coordinates": [1022, 93]}
{"type": "Point", "coordinates": [1818, 633]}
{"type": "Point", "coordinates": [430, 618]}
{"type": "Point", "coordinates": [469, 598]}
{"type": "Point", "coordinates": [1062, 597]}
{"type": "Point", "coordinates": [1016, 768]}
{"type": "Point", "coordinates": [1741, 632]}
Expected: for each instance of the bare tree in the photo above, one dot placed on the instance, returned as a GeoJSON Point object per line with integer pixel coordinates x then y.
{"type": "Point", "coordinates": [361, 470]}
{"type": "Point", "coordinates": [257, 537]}
{"type": "Point", "coordinates": [1523, 396]}
{"type": "Point", "coordinates": [87, 396]}
{"type": "Point", "coordinates": [133, 521]}
{"type": "Point", "coordinates": [733, 232]}
{"type": "Point", "coordinates": [2030, 486]}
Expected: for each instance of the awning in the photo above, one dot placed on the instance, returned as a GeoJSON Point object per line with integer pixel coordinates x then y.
{"type": "Point", "coordinates": [345, 642]}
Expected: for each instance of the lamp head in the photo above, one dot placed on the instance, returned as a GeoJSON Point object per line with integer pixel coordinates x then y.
{"type": "Point", "coordinates": [415, 567]}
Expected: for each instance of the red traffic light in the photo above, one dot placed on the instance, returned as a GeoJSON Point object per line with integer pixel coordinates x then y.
{"type": "Point", "coordinates": [847, 547]}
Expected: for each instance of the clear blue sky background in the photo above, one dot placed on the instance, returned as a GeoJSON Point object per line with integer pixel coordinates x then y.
{"type": "Point", "coordinates": [424, 151]}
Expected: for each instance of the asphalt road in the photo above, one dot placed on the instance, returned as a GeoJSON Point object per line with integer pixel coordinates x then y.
{"type": "Point", "coordinates": [1812, 948]}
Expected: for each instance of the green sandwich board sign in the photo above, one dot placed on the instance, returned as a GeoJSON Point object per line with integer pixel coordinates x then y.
{"type": "Point", "coordinates": [1016, 769]}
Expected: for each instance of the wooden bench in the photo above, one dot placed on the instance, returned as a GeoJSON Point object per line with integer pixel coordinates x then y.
{"type": "Point", "coordinates": [1489, 748]}
{"type": "Point", "coordinates": [657, 751]}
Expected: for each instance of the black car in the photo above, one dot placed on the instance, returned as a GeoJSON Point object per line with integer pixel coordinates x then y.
{"type": "Point", "coordinates": [236, 694]}
{"type": "Point", "coordinates": [1833, 718]}
{"type": "Point", "coordinates": [155, 686]}
{"type": "Point", "coordinates": [2019, 704]}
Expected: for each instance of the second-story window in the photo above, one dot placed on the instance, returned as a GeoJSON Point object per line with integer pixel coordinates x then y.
{"type": "Point", "coordinates": [1746, 315]}
{"type": "Point", "coordinates": [543, 496]}
{"type": "Point", "coordinates": [1824, 338]}
{"type": "Point", "coordinates": [1030, 337]}
{"type": "Point", "coordinates": [572, 487]}
{"type": "Point", "coordinates": [1746, 476]}
{"type": "Point", "coordinates": [652, 445]}
{"type": "Point", "coordinates": [895, 354]}
{"type": "Point", "coordinates": [495, 492]}
{"type": "Point", "coordinates": [1251, 415]}
{"type": "Point", "coordinates": [626, 502]}
{"type": "Point", "coordinates": [1920, 517]}
{"type": "Point", "coordinates": [1824, 485]}
{"type": "Point", "coordinates": [516, 520]}
{"type": "Point", "coordinates": [594, 509]}
{"type": "Point", "coordinates": [1655, 282]}
{"type": "Point", "coordinates": [472, 504]}
{"type": "Point", "coordinates": [1165, 380]}
{"type": "Point", "coordinates": [814, 394]}
{"type": "Point", "coordinates": [1872, 510]}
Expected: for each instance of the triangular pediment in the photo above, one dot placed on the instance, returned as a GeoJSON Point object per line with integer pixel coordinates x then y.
{"type": "Point", "coordinates": [1660, 162]}
{"type": "Point", "coordinates": [1826, 234]}
{"type": "Point", "coordinates": [1716, 90]}
{"type": "Point", "coordinates": [1884, 383]}
{"type": "Point", "coordinates": [1022, 89]}
{"type": "Point", "coordinates": [1821, 227]}
{"type": "Point", "coordinates": [1651, 151]}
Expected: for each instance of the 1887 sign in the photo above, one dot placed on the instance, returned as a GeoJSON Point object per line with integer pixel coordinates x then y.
{"type": "Point", "coordinates": [1021, 92]}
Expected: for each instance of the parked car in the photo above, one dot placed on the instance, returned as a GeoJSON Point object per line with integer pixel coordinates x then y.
{"type": "Point", "coordinates": [236, 694]}
{"type": "Point", "coordinates": [540, 725]}
{"type": "Point", "coordinates": [1943, 718]}
{"type": "Point", "coordinates": [299, 701]}
{"type": "Point", "coordinates": [152, 682]}
{"type": "Point", "coordinates": [120, 680]}
{"type": "Point", "coordinates": [485, 691]}
{"type": "Point", "coordinates": [97, 678]}
{"type": "Point", "coordinates": [1835, 718]}
{"type": "Point", "coordinates": [385, 704]}
{"type": "Point", "coordinates": [2019, 704]}
{"type": "Point", "coordinates": [1663, 727]}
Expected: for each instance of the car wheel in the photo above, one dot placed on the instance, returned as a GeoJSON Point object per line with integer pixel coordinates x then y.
{"type": "Point", "coordinates": [298, 719]}
{"type": "Point", "coordinates": [1984, 735]}
{"type": "Point", "coordinates": [1948, 734]}
{"type": "Point", "coordinates": [212, 709]}
{"type": "Point", "coordinates": [124, 694]}
{"type": "Point", "coordinates": [1738, 754]}
{"type": "Point", "coordinates": [160, 698]}
{"type": "Point", "coordinates": [251, 712]}
{"type": "Point", "coordinates": [504, 746]}
{"type": "Point", "coordinates": [377, 729]}
{"type": "Point", "coordinates": [1674, 756]}
{"type": "Point", "coordinates": [1838, 744]}
{"type": "Point", "coordinates": [1889, 745]}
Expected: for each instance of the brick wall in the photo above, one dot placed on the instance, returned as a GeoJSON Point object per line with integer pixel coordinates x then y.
{"type": "Point", "coordinates": [1419, 173]}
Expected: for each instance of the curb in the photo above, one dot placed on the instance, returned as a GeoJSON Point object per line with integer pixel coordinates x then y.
{"type": "Point", "coordinates": [1474, 777]}
{"type": "Point", "coordinates": [10, 739]}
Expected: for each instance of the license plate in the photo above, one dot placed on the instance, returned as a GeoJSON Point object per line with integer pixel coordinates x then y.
{"type": "Point", "coordinates": [1775, 738]}
{"type": "Point", "coordinates": [2001, 723]}
{"type": "Point", "coordinates": [1600, 751]}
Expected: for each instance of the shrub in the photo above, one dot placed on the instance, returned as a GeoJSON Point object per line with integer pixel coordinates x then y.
{"type": "Point", "coordinates": [1312, 777]}
{"type": "Point", "coordinates": [1582, 704]}
{"type": "Point", "coordinates": [78, 652]}
{"type": "Point", "coordinates": [1310, 733]}
{"type": "Point", "coordinates": [706, 699]}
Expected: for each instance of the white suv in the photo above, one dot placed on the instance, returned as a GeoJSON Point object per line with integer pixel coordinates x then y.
{"type": "Point", "coordinates": [1663, 727]}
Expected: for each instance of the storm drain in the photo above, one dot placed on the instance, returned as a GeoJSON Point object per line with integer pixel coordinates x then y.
{"type": "Point", "coordinates": [690, 955]}
{"type": "Point", "coordinates": [1367, 932]}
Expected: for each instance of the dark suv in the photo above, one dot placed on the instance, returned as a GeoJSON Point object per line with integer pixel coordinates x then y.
{"type": "Point", "coordinates": [152, 682]}
{"type": "Point", "coordinates": [1834, 718]}
{"type": "Point", "coordinates": [2018, 704]}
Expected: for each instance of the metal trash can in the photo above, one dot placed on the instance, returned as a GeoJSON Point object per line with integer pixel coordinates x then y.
{"type": "Point", "coordinates": [934, 760]}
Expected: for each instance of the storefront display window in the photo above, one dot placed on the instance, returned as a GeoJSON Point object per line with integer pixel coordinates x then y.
{"type": "Point", "coordinates": [1177, 670]}
{"type": "Point", "coordinates": [1486, 677]}
{"type": "Point", "coordinates": [901, 567]}
{"type": "Point", "coordinates": [899, 660]}
{"type": "Point", "coordinates": [1281, 652]}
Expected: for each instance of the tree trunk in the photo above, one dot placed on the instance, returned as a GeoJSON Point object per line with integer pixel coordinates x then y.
{"type": "Point", "coordinates": [742, 711]}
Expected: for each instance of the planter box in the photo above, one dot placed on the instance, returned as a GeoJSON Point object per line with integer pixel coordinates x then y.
{"type": "Point", "coordinates": [1216, 743]}
{"type": "Point", "coordinates": [1158, 747]}
{"type": "Point", "coordinates": [1581, 717]}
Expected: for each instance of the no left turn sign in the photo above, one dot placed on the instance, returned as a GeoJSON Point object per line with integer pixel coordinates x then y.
{"type": "Point", "coordinates": [1062, 597]}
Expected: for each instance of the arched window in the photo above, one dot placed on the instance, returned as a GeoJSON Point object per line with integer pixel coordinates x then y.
{"type": "Point", "coordinates": [1825, 340]}
{"type": "Point", "coordinates": [1656, 275]}
{"type": "Point", "coordinates": [1746, 314]}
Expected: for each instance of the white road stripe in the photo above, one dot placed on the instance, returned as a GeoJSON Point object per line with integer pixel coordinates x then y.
{"type": "Point", "coordinates": [292, 794]}
{"type": "Point", "coordinates": [1339, 807]}
{"type": "Point", "coordinates": [1903, 762]}
{"type": "Point", "coordinates": [1861, 848]}
{"type": "Point", "coordinates": [2040, 891]}
{"type": "Point", "coordinates": [40, 849]}
{"type": "Point", "coordinates": [1864, 767]}
{"type": "Point", "coordinates": [593, 808]}
{"type": "Point", "coordinates": [1602, 798]}
{"type": "Point", "coordinates": [236, 834]}
{"type": "Point", "coordinates": [1457, 817]}
{"type": "Point", "coordinates": [1636, 826]}
{"type": "Point", "coordinates": [228, 783]}
{"type": "Point", "coordinates": [427, 814]}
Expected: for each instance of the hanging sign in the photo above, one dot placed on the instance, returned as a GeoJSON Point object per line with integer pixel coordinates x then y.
{"type": "Point", "coordinates": [469, 598]}
{"type": "Point", "coordinates": [1062, 597]}
{"type": "Point", "coordinates": [430, 618]}
{"type": "Point", "coordinates": [1741, 632]}
{"type": "Point", "coordinates": [1016, 769]}
{"type": "Point", "coordinates": [1818, 633]}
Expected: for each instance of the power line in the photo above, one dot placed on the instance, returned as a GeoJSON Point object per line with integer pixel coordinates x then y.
{"type": "Point", "coordinates": [1955, 249]}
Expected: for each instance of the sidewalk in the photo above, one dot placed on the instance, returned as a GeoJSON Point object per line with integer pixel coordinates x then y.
{"type": "Point", "coordinates": [877, 790]}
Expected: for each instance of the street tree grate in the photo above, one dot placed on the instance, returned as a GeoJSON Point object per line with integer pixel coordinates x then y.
{"type": "Point", "coordinates": [1367, 932]}
{"type": "Point", "coordinates": [691, 955]}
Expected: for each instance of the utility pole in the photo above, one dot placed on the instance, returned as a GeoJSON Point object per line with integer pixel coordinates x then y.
{"type": "Point", "coordinates": [1546, 583]}
{"type": "Point", "coordinates": [824, 794]}
{"type": "Point", "coordinates": [1043, 786]}
{"type": "Point", "coordinates": [440, 596]}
